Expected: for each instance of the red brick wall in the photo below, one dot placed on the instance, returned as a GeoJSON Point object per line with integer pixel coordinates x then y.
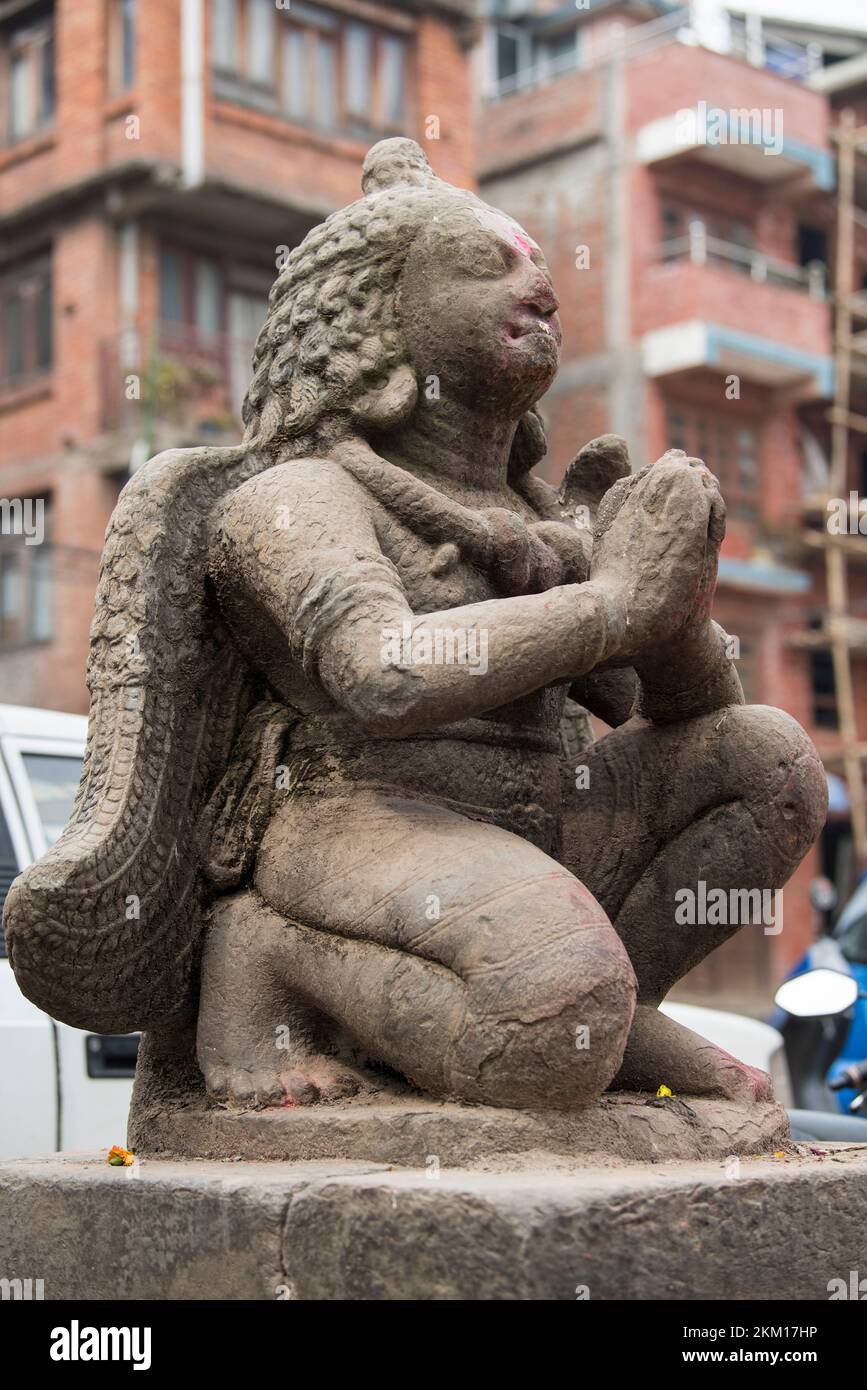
{"type": "Point", "coordinates": [50, 435]}
{"type": "Point", "coordinates": [678, 76]}
{"type": "Point", "coordinates": [525, 126]}
{"type": "Point", "coordinates": [258, 151]}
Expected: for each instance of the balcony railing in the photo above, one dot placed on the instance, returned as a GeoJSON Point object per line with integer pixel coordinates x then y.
{"type": "Point", "coordinates": [536, 75]}
{"type": "Point", "coordinates": [744, 39]}
{"type": "Point", "coordinates": [701, 249]}
{"type": "Point", "coordinates": [782, 56]}
{"type": "Point", "coordinates": [182, 382]}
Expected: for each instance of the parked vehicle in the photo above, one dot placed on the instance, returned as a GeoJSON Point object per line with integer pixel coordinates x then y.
{"type": "Point", "coordinates": [59, 1087]}
{"type": "Point", "coordinates": [820, 1049]}
{"type": "Point", "coordinates": [819, 1004]}
{"type": "Point", "coordinates": [811, 1002]}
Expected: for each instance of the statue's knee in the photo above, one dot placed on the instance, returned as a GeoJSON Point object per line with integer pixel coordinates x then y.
{"type": "Point", "coordinates": [785, 786]}
{"type": "Point", "coordinates": [544, 1046]}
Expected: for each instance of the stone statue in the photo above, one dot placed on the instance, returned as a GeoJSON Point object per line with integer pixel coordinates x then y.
{"type": "Point", "coordinates": [341, 822]}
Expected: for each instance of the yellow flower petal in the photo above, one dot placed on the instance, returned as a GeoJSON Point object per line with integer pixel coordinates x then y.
{"type": "Point", "coordinates": [664, 1091]}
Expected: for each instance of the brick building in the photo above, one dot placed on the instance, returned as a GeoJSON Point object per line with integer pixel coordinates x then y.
{"type": "Point", "coordinates": [678, 168]}
{"type": "Point", "coordinates": [153, 160]}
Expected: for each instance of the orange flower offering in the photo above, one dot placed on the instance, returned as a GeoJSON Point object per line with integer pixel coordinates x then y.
{"type": "Point", "coordinates": [120, 1158]}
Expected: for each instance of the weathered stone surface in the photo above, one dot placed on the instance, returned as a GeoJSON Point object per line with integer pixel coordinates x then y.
{"type": "Point", "coordinates": [779, 1230]}
{"type": "Point", "coordinates": [329, 822]}
{"type": "Point", "coordinates": [409, 1131]}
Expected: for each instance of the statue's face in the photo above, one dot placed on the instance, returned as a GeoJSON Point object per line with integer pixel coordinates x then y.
{"type": "Point", "coordinates": [478, 311]}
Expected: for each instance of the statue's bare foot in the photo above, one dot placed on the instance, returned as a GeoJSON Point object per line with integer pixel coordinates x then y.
{"type": "Point", "coordinates": [309, 1080]}
{"type": "Point", "coordinates": [661, 1052]}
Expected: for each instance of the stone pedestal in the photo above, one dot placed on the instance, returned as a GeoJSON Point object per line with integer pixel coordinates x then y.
{"type": "Point", "coordinates": [753, 1228]}
{"type": "Point", "coordinates": [407, 1129]}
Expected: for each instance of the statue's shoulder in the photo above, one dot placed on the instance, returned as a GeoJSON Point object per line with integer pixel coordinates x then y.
{"type": "Point", "coordinates": [299, 478]}
{"type": "Point", "coordinates": [299, 484]}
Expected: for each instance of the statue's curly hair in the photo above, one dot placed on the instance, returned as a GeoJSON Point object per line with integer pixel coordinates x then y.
{"type": "Point", "coordinates": [330, 360]}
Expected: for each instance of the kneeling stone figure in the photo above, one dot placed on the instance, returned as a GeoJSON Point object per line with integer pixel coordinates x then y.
{"type": "Point", "coordinates": [340, 817]}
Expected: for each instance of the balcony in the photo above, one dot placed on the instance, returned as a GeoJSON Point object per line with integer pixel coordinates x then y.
{"type": "Point", "coordinates": [748, 141]}
{"type": "Point", "coordinates": [702, 249]}
{"type": "Point", "coordinates": [731, 107]}
{"type": "Point", "coordinates": [700, 301]}
{"type": "Point", "coordinates": [181, 388]}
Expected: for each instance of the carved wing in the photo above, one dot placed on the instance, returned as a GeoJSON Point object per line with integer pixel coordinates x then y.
{"type": "Point", "coordinates": [102, 930]}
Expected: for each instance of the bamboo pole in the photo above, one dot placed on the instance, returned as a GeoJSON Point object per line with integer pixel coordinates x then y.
{"type": "Point", "coordinates": [835, 554]}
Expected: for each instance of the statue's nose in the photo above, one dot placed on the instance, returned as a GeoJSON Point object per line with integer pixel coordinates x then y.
{"type": "Point", "coordinates": [541, 297]}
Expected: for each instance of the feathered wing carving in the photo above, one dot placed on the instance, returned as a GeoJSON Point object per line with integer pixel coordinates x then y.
{"type": "Point", "coordinates": [102, 930]}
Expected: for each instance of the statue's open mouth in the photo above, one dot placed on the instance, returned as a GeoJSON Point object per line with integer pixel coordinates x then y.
{"type": "Point", "coordinates": [538, 323]}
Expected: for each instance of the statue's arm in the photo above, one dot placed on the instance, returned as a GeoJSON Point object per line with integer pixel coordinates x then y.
{"type": "Point", "coordinates": [691, 676]}
{"type": "Point", "coordinates": [301, 541]}
{"type": "Point", "coordinates": [610, 695]}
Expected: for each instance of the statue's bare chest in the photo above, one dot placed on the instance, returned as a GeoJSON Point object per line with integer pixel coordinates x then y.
{"type": "Point", "coordinates": [435, 574]}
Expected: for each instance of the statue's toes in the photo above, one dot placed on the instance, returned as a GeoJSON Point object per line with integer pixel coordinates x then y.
{"type": "Point", "coordinates": [300, 1089]}
{"type": "Point", "coordinates": [322, 1081]}
{"type": "Point", "coordinates": [340, 1086]}
{"type": "Point", "coordinates": [268, 1088]}
{"type": "Point", "coordinates": [738, 1081]}
{"type": "Point", "coordinates": [216, 1081]}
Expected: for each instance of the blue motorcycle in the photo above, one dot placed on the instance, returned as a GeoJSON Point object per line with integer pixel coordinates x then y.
{"type": "Point", "coordinates": [822, 1015]}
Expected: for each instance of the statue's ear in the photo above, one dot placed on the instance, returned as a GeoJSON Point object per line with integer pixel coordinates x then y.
{"type": "Point", "coordinates": [384, 407]}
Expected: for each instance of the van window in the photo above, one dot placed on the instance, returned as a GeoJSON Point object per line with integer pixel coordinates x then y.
{"type": "Point", "coordinates": [54, 781]}
{"type": "Point", "coordinates": [8, 869]}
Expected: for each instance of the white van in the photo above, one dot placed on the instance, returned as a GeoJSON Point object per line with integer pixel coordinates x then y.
{"type": "Point", "coordinates": [60, 1088]}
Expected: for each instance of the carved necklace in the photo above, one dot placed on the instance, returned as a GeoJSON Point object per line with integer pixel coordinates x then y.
{"type": "Point", "coordinates": [519, 558]}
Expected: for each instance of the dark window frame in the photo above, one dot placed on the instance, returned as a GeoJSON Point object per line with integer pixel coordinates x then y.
{"type": "Point", "coordinates": [723, 445]}
{"type": "Point", "coordinates": [30, 38]}
{"type": "Point", "coordinates": [123, 18]}
{"type": "Point", "coordinates": [26, 296]}
{"type": "Point", "coordinates": [34, 565]}
{"type": "Point", "coordinates": [322, 32]}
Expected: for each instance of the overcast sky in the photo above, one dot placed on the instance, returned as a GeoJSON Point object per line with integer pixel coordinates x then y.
{"type": "Point", "coordinates": [847, 13]}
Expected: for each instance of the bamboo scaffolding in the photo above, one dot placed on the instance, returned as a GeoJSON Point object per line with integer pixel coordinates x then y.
{"type": "Point", "coordinates": [849, 307]}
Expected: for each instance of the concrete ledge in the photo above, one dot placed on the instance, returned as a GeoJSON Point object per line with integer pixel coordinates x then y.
{"type": "Point", "coordinates": [777, 1229]}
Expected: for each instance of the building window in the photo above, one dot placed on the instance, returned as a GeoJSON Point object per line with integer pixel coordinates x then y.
{"type": "Point", "coordinates": [27, 97]}
{"type": "Point", "coordinates": [121, 44]}
{"type": "Point", "coordinates": [310, 65]}
{"type": "Point", "coordinates": [248, 310]}
{"type": "Point", "coordinates": [26, 349]}
{"type": "Point", "coordinates": [522, 57]}
{"type": "Point", "coordinates": [358, 70]}
{"type": "Point", "coordinates": [25, 572]}
{"type": "Point", "coordinates": [260, 41]}
{"type": "Point", "coordinates": [224, 42]}
{"type": "Point", "coordinates": [323, 110]}
{"type": "Point", "coordinates": [392, 80]}
{"type": "Point", "coordinates": [191, 293]}
{"type": "Point", "coordinates": [730, 451]}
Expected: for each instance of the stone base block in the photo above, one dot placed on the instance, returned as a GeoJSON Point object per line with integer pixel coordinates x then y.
{"type": "Point", "coordinates": [761, 1228]}
{"type": "Point", "coordinates": [407, 1130]}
